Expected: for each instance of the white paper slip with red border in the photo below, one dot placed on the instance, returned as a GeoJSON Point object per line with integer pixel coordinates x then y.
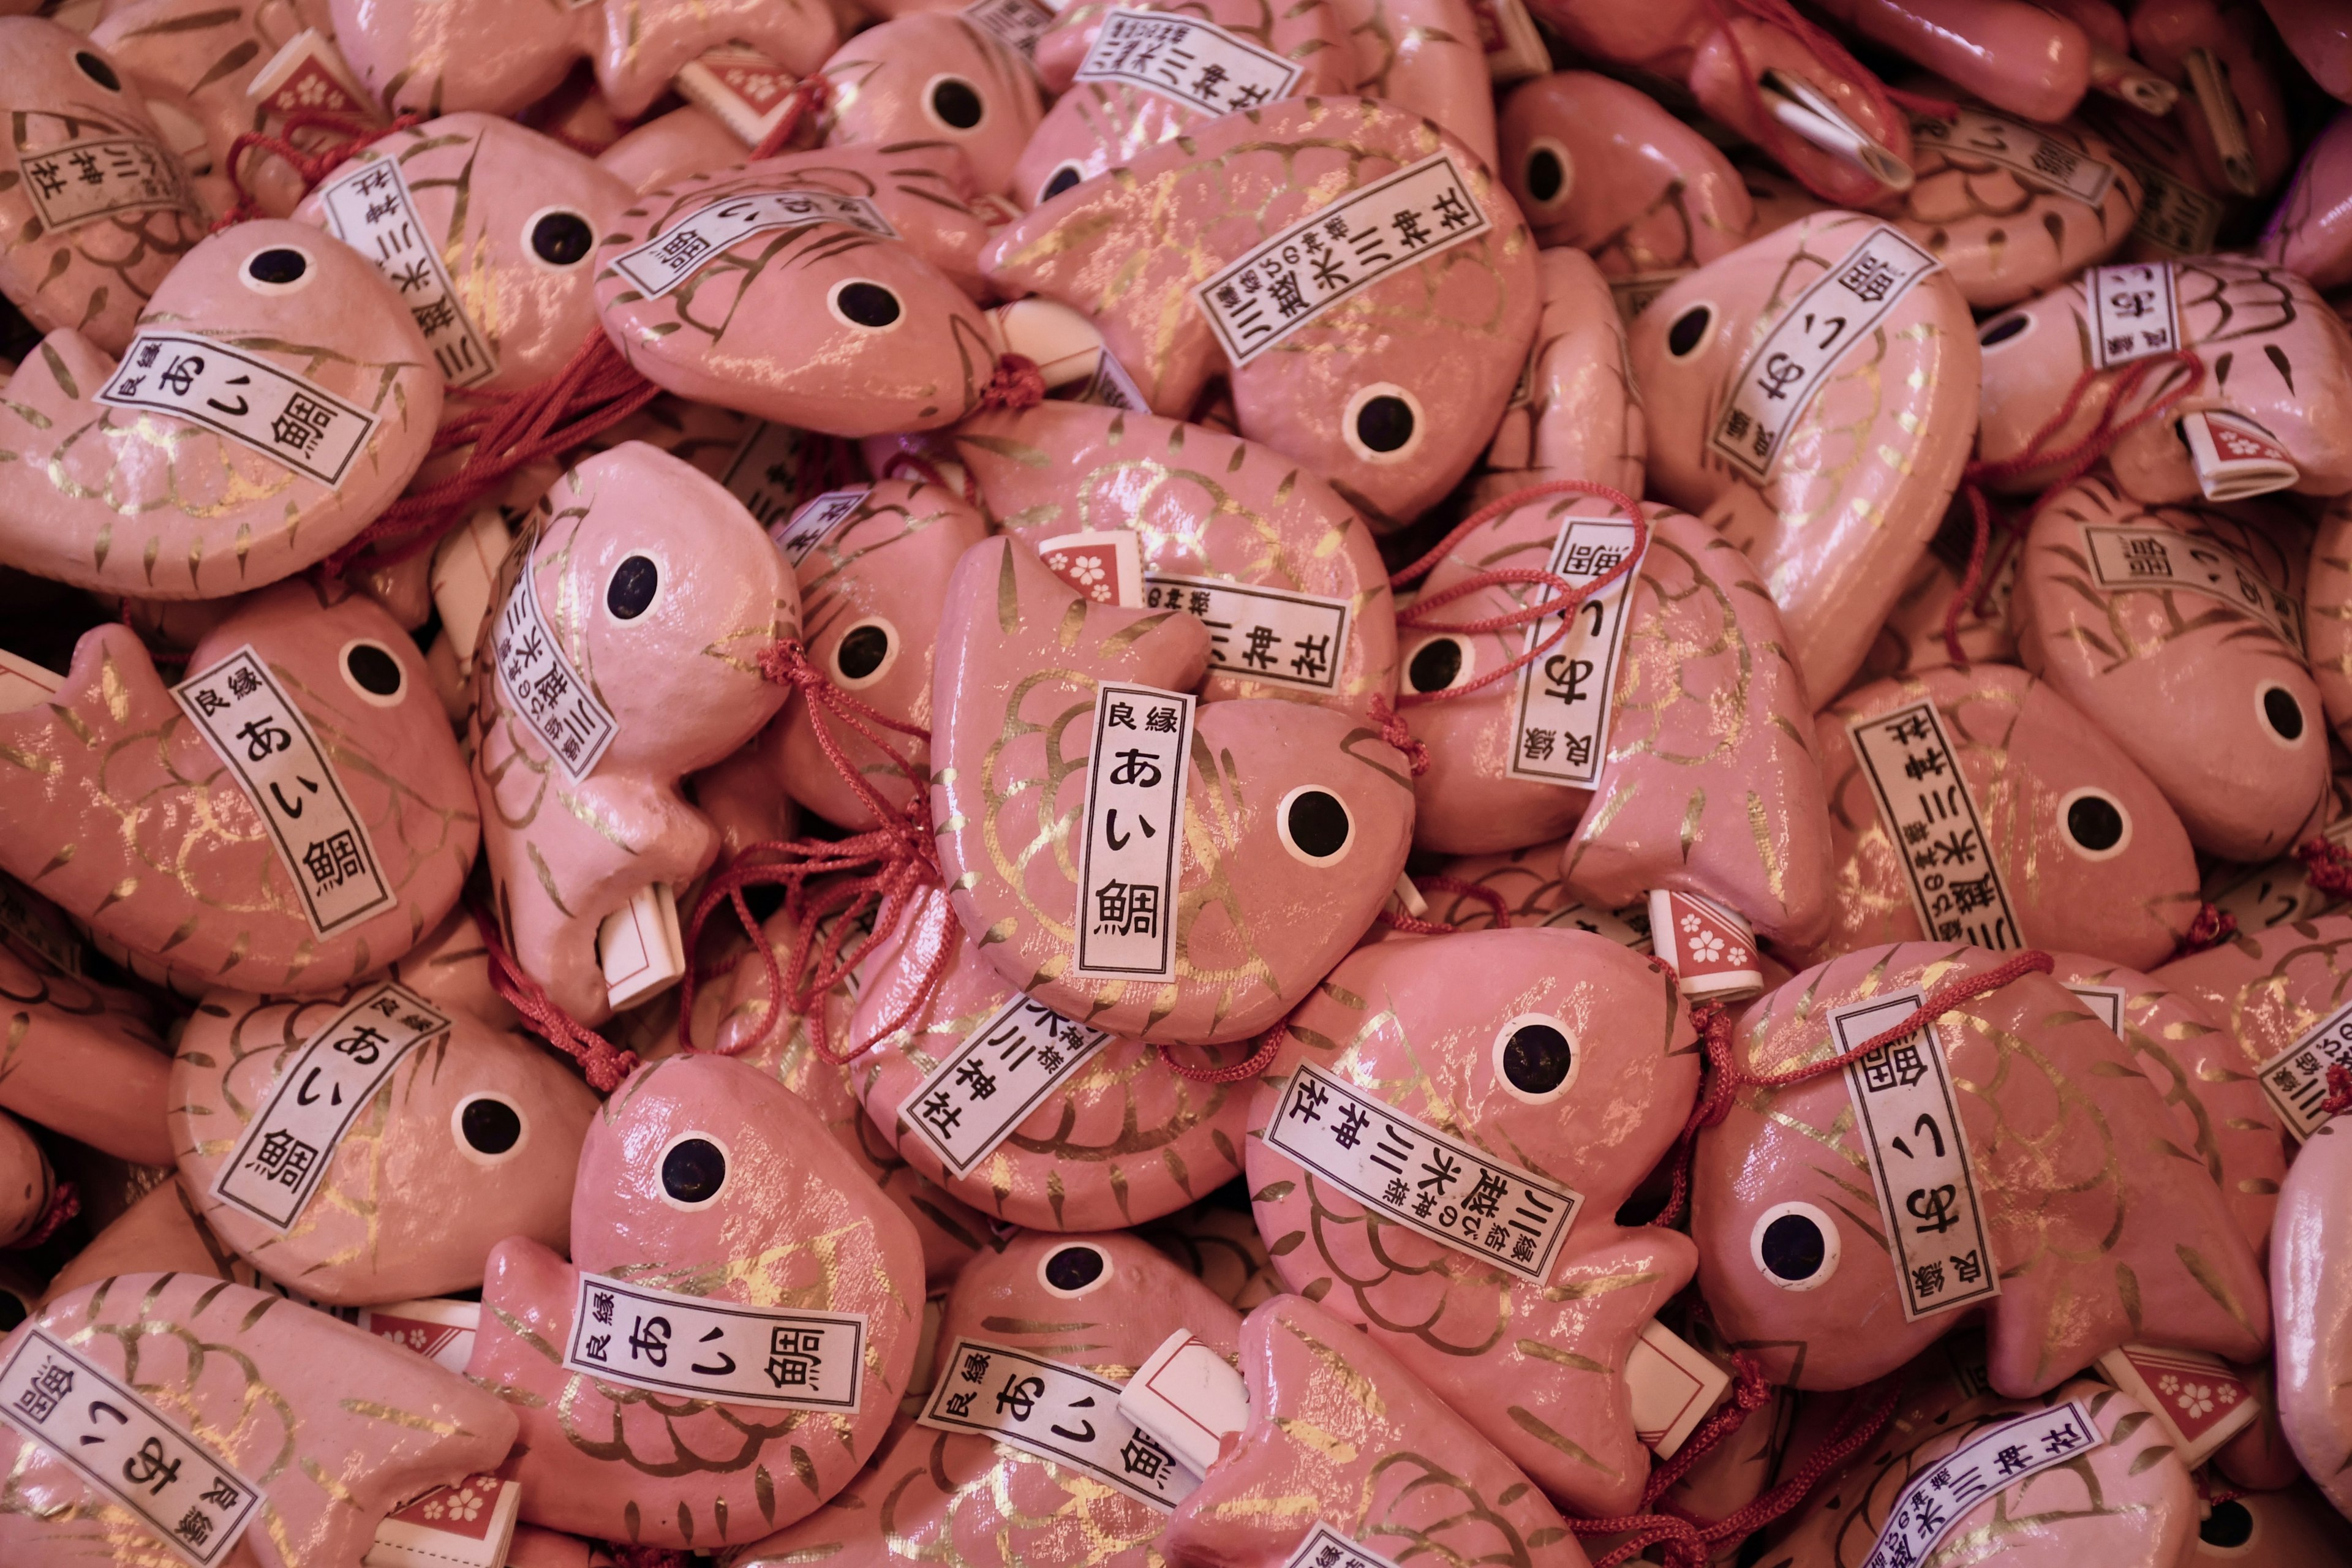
{"type": "Point", "coordinates": [470, 1524]}
{"type": "Point", "coordinates": [1673, 1384]}
{"type": "Point", "coordinates": [1190, 1398]}
{"type": "Point", "coordinates": [1712, 948]}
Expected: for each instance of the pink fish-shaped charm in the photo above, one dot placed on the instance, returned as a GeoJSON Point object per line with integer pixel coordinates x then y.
{"type": "Point", "coordinates": [74, 258]}
{"type": "Point", "coordinates": [119, 810]}
{"type": "Point", "coordinates": [77, 1055]}
{"type": "Point", "coordinates": [1341, 1434]}
{"type": "Point", "coordinates": [2268, 989]}
{"type": "Point", "coordinates": [705, 1178]}
{"type": "Point", "coordinates": [1297, 818]}
{"type": "Point", "coordinates": [1572, 1059]}
{"type": "Point", "coordinates": [309, 400]}
{"type": "Point", "coordinates": [933, 77]}
{"type": "Point", "coordinates": [628, 659]}
{"type": "Point", "coordinates": [335, 1426]}
{"type": "Point", "coordinates": [1389, 393]}
{"type": "Point", "coordinates": [2085, 853]}
{"type": "Point", "coordinates": [1207, 509]}
{"type": "Point", "coordinates": [2094, 1246]}
{"type": "Point", "coordinates": [2244, 757]}
{"type": "Point", "coordinates": [1582, 415]}
{"type": "Point", "coordinates": [2307, 1284]}
{"type": "Point", "coordinates": [1851, 486]}
{"type": "Point", "coordinates": [1100, 1303]}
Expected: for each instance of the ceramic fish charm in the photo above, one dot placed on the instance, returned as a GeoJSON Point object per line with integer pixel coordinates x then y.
{"type": "Point", "coordinates": [933, 76]}
{"type": "Point", "coordinates": [1581, 418]}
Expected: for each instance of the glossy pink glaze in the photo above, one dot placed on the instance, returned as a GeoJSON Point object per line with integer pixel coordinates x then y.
{"type": "Point", "coordinates": [689, 139]}
{"type": "Point", "coordinates": [757, 326]}
{"type": "Point", "coordinates": [986, 1504]}
{"type": "Point", "coordinates": [2021, 58]}
{"type": "Point", "coordinates": [2027, 756]}
{"type": "Point", "coordinates": [1120, 1142]}
{"type": "Point", "coordinates": [2268, 989]}
{"type": "Point", "coordinates": [1423, 55]}
{"type": "Point", "coordinates": [337, 1427]}
{"type": "Point", "coordinates": [97, 274]}
{"type": "Point", "coordinates": [1582, 418]}
{"type": "Point", "coordinates": [2307, 1287]}
{"type": "Point", "coordinates": [2327, 612]}
{"type": "Point", "coordinates": [897, 82]}
{"type": "Point", "coordinates": [1020, 654]}
{"type": "Point", "coordinates": [1202, 504]}
{"type": "Point", "coordinates": [2288, 369]}
{"type": "Point", "coordinates": [2095, 1245]}
{"type": "Point", "coordinates": [795, 1223]}
{"type": "Point", "coordinates": [1446, 334]}
{"type": "Point", "coordinates": [119, 810]}
{"type": "Point", "coordinates": [2165, 31]}
{"type": "Point", "coordinates": [2320, 33]}
{"type": "Point", "coordinates": [680, 679]}
{"type": "Point", "coordinates": [82, 1059]}
{"type": "Point", "coordinates": [143, 502]}
{"type": "Point", "coordinates": [1861, 480]}
{"type": "Point", "coordinates": [2241, 754]}
{"type": "Point", "coordinates": [1537, 1368]}
{"type": "Point", "coordinates": [1342, 1433]}
{"type": "Point", "coordinates": [2310, 233]}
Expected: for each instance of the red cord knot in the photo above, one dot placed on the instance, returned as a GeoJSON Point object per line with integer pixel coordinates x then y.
{"type": "Point", "coordinates": [1017, 384]}
{"type": "Point", "coordinates": [65, 1203]}
{"type": "Point", "coordinates": [606, 1065]}
{"type": "Point", "coordinates": [1462, 889]}
{"type": "Point", "coordinates": [628, 1554]}
{"type": "Point", "coordinates": [2339, 1091]}
{"type": "Point", "coordinates": [2209, 929]}
{"type": "Point", "coordinates": [1392, 727]}
{"type": "Point", "coordinates": [2327, 866]}
{"type": "Point", "coordinates": [1269, 1046]}
{"type": "Point", "coordinates": [312, 167]}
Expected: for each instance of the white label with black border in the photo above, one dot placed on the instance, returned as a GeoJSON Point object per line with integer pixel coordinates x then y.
{"type": "Point", "coordinates": [1789, 367]}
{"type": "Point", "coordinates": [1932, 822]}
{"type": "Point", "coordinates": [1327, 256]}
{"type": "Point", "coordinates": [283, 1156]}
{"type": "Point", "coordinates": [1134, 821]}
{"type": "Point", "coordinates": [263, 407]}
{"type": "Point", "coordinates": [2035, 157]}
{"type": "Point", "coordinates": [1015, 23]}
{"type": "Point", "coordinates": [2106, 1003]}
{"type": "Point", "coordinates": [1409, 1173]}
{"type": "Point", "coordinates": [250, 724]}
{"type": "Point", "coordinates": [1560, 730]}
{"type": "Point", "coordinates": [989, 1084]}
{"type": "Point", "coordinates": [2127, 558]}
{"type": "Point", "coordinates": [2295, 1081]}
{"type": "Point", "coordinates": [195, 1502]}
{"type": "Point", "coordinates": [2134, 312]}
{"type": "Point", "coordinates": [670, 259]}
{"type": "Point", "coordinates": [817, 522]}
{"type": "Point", "coordinates": [1919, 1162]}
{"type": "Point", "coordinates": [1327, 1548]}
{"type": "Point", "coordinates": [1260, 633]}
{"type": "Point", "coordinates": [371, 209]}
{"type": "Point", "coordinates": [543, 688]}
{"type": "Point", "coordinates": [724, 1351]}
{"type": "Point", "coordinates": [1186, 60]}
{"type": "Point", "coordinates": [1055, 1412]}
{"type": "Point", "coordinates": [1996, 1459]}
{"type": "Point", "coordinates": [764, 473]}
{"type": "Point", "coordinates": [83, 180]}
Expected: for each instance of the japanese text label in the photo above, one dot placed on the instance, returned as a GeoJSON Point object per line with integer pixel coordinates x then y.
{"type": "Point", "coordinates": [817, 522]}
{"type": "Point", "coordinates": [2175, 217]}
{"type": "Point", "coordinates": [1055, 1412]}
{"type": "Point", "coordinates": [1560, 727]}
{"type": "Point", "coordinates": [1995, 1460]}
{"type": "Point", "coordinates": [1260, 633]}
{"type": "Point", "coordinates": [1407, 1172]}
{"type": "Point", "coordinates": [369, 209]}
{"type": "Point", "coordinates": [1789, 367]}
{"type": "Point", "coordinates": [34, 921]}
{"type": "Point", "coordinates": [2125, 558]}
{"type": "Point", "coordinates": [542, 686]}
{"type": "Point", "coordinates": [278, 1164]}
{"type": "Point", "coordinates": [764, 473]}
{"type": "Point", "coordinates": [724, 1351]}
{"type": "Point", "coordinates": [194, 1501]}
{"type": "Point", "coordinates": [285, 417]}
{"type": "Point", "coordinates": [666, 261]}
{"type": "Point", "coordinates": [2296, 1078]}
{"type": "Point", "coordinates": [84, 181]}
{"type": "Point", "coordinates": [980, 1092]}
{"type": "Point", "coordinates": [1015, 23]}
{"type": "Point", "coordinates": [2134, 312]}
{"type": "Point", "coordinates": [1919, 1158]}
{"type": "Point", "coordinates": [1323, 258]}
{"type": "Point", "coordinates": [1134, 834]}
{"type": "Point", "coordinates": [2034, 157]}
{"type": "Point", "coordinates": [239, 708]}
{"type": "Point", "coordinates": [1327, 1548]}
{"type": "Point", "coordinates": [1186, 60]}
{"type": "Point", "coordinates": [1932, 822]}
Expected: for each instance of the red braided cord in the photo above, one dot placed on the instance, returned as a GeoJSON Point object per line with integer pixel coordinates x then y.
{"type": "Point", "coordinates": [1398, 920]}
{"type": "Point", "coordinates": [64, 1204]}
{"type": "Point", "coordinates": [1412, 924]}
{"type": "Point", "coordinates": [1462, 887]}
{"type": "Point", "coordinates": [1397, 733]}
{"type": "Point", "coordinates": [1564, 606]}
{"type": "Point", "coordinates": [2074, 462]}
{"type": "Point", "coordinates": [311, 166]}
{"type": "Point", "coordinates": [2209, 929]}
{"type": "Point", "coordinates": [596, 389]}
{"type": "Point", "coordinates": [808, 98]}
{"type": "Point", "coordinates": [1016, 384]}
{"type": "Point", "coordinates": [631, 1554]}
{"type": "Point", "coordinates": [1269, 1045]}
{"type": "Point", "coordinates": [925, 469]}
{"type": "Point", "coordinates": [886, 867]}
{"type": "Point", "coordinates": [2327, 866]}
{"type": "Point", "coordinates": [606, 1065]}
{"type": "Point", "coordinates": [2339, 1091]}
